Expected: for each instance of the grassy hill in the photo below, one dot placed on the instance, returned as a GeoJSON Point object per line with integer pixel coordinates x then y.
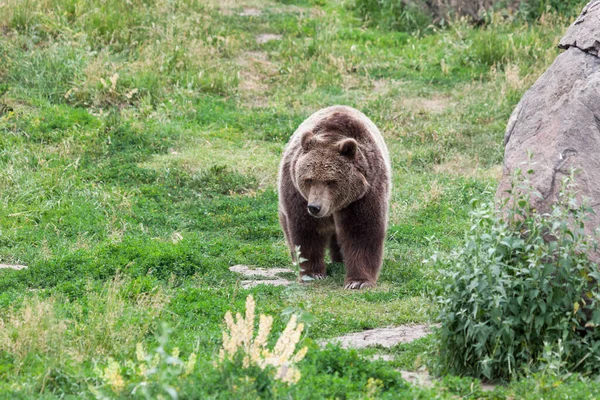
{"type": "Point", "coordinates": [139, 143]}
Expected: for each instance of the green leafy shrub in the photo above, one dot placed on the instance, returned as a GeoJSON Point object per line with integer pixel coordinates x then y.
{"type": "Point", "coordinates": [521, 282]}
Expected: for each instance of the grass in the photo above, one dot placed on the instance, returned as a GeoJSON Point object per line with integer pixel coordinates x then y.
{"type": "Point", "coordinates": [139, 143]}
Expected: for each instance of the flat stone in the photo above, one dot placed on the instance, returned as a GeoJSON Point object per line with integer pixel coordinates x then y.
{"type": "Point", "coordinates": [418, 378]}
{"type": "Point", "coordinates": [382, 357]}
{"type": "Point", "coordinates": [250, 12]}
{"type": "Point", "coordinates": [386, 337]}
{"type": "Point", "coordinates": [488, 387]}
{"type": "Point", "coordinates": [273, 282]}
{"type": "Point", "coordinates": [267, 37]}
{"type": "Point", "coordinates": [423, 379]}
{"type": "Point", "coordinates": [13, 266]}
{"type": "Point", "coordinates": [264, 272]}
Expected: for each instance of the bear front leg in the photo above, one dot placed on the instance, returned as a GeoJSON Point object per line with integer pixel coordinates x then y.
{"type": "Point", "coordinates": [308, 233]}
{"type": "Point", "coordinates": [312, 249]}
{"type": "Point", "coordinates": [361, 230]}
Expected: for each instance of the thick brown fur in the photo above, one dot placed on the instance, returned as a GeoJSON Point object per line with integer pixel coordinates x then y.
{"type": "Point", "coordinates": [336, 164]}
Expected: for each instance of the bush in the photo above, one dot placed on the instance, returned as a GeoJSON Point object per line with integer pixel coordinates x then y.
{"type": "Point", "coordinates": [394, 14]}
{"type": "Point", "coordinates": [521, 283]}
{"type": "Point", "coordinates": [418, 15]}
{"type": "Point", "coordinates": [534, 9]}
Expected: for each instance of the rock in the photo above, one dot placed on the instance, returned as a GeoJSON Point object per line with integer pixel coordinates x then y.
{"type": "Point", "coordinates": [558, 120]}
{"type": "Point", "coordinates": [273, 282]}
{"type": "Point", "coordinates": [267, 37]}
{"type": "Point", "coordinates": [585, 31]}
{"type": "Point", "coordinates": [250, 12]}
{"type": "Point", "coordinates": [270, 273]}
{"type": "Point", "coordinates": [264, 272]}
{"type": "Point", "coordinates": [386, 337]}
{"type": "Point", "coordinates": [13, 266]}
{"type": "Point", "coordinates": [418, 378]}
{"type": "Point", "coordinates": [381, 357]}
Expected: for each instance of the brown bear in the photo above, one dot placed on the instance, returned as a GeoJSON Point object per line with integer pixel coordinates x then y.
{"type": "Point", "coordinates": [334, 188]}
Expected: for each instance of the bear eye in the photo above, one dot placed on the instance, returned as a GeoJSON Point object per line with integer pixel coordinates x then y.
{"type": "Point", "coordinates": [308, 181]}
{"type": "Point", "coordinates": [330, 183]}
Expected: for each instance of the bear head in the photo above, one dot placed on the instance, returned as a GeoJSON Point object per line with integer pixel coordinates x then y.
{"type": "Point", "coordinates": [330, 172]}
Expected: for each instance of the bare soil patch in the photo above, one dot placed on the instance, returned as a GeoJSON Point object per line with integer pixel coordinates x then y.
{"type": "Point", "coordinates": [436, 105]}
{"type": "Point", "coordinates": [255, 71]}
{"type": "Point", "coordinates": [467, 167]}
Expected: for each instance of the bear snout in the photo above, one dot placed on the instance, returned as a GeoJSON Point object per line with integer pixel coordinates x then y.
{"type": "Point", "coordinates": [319, 203]}
{"type": "Point", "coordinates": [314, 209]}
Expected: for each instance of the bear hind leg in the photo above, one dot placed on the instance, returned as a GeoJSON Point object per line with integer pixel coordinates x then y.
{"type": "Point", "coordinates": [335, 250]}
{"type": "Point", "coordinates": [288, 236]}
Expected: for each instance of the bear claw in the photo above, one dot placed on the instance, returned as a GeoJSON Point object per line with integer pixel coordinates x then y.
{"type": "Point", "coordinates": [359, 285]}
{"type": "Point", "coordinates": [313, 277]}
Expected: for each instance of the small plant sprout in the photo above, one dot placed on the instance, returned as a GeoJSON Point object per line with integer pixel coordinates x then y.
{"type": "Point", "coordinates": [297, 261]}
{"type": "Point", "coordinates": [239, 343]}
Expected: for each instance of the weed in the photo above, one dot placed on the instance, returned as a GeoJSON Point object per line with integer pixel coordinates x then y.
{"type": "Point", "coordinates": [154, 374]}
{"type": "Point", "coordinates": [239, 343]}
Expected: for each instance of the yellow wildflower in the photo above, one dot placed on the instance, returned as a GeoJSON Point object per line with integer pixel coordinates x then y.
{"type": "Point", "coordinates": [239, 337]}
{"type": "Point", "coordinates": [113, 376]}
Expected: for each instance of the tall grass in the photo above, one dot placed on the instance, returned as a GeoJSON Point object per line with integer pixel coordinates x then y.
{"type": "Point", "coordinates": [107, 323]}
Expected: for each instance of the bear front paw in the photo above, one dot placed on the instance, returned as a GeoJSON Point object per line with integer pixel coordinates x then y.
{"type": "Point", "coordinates": [312, 277]}
{"type": "Point", "coordinates": [359, 285]}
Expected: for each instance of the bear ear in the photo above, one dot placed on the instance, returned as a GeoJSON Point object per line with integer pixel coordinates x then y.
{"type": "Point", "coordinates": [306, 140]}
{"type": "Point", "coordinates": [348, 147]}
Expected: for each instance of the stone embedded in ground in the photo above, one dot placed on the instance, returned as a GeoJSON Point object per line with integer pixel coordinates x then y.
{"type": "Point", "coordinates": [418, 378]}
{"type": "Point", "coordinates": [264, 272]}
{"type": "Point", "coordinates": [381, 357]}
{"type": "Point", "coordinates": [558, 121]}
{"type": "Point", "coordinates": [386, 337]}
{"type": "Point", "coordinates": [250, 12]}
{"type": "Point", "coordinates": [267, 37]}
{"type": "Point", "coordinates": [271, 273]}
{"type": "Point", "coordinates": [423, 379]}
{"type": "Point", "coordinates": [12, 266]}
{"type": "Point", "coordinates": [273, 282]}
{"type": "Point", "coordinates": [488, 387]}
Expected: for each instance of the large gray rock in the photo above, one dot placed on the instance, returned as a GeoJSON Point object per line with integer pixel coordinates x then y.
{"type": "Point", "coordinates": [585, 31]}
{"type": "Point", "coordinates": [558, 120]}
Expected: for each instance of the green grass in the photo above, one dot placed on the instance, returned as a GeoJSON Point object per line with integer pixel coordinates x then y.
{"type": "Point", "coordinates": [139, 144]}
